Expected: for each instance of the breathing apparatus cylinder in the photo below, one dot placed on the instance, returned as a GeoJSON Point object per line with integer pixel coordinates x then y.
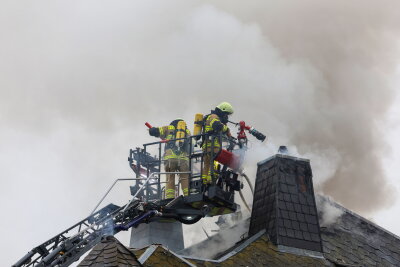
{"type": "Point", "coordinates": [198, 120]}
{"type": "Point", "coordinates": [180, 133]}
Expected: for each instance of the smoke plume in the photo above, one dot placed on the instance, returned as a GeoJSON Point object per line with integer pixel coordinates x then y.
{"type": "Point", "coordinates": [329, 213]}
{"type": "Point", "coordinates": [79, 78]}
{"type": "Point", "coordinates": [335, 120]}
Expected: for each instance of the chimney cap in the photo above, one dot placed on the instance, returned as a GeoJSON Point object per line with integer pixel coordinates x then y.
{"type": "Point", "coordinates": [283, 150]}
{"type": "Point", "coordinates": [282, 156]}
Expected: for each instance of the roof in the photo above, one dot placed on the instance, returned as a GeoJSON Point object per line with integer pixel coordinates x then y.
{"type": "Point", "coordinates": [351, 241]}
{"type": "Point", "coordinates": [219, 244]}
{"type": "Point", "coordinates": [160, 256]}
{"type": "Point", "coordinates": [111, 253]}
{"type": "Point", "coordinates": [262, 252]}
{"type": "Point", "coordinates": [258, 251]}
{"type": "Point", "coordinates": [285, 214]}
{"type": "Point", "coordinates": [355, 241]}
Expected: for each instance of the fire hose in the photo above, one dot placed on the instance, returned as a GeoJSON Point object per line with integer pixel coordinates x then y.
{"type": "Point", "coordinates": [251, 189]}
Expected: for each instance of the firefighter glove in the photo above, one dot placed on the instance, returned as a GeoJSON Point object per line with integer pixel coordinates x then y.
{"type": "Point", "coordinates": [154, 131]}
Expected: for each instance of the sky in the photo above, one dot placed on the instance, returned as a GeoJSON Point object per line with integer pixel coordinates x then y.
{"type": "Point", "coordinates": [388, 218]}
{"type": "Point", "coordinates": [78, 79]}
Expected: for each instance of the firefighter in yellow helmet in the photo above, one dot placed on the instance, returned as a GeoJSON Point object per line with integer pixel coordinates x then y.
{"type": "Point", "coordinates": [214, 124]}
{"type": "Point", "coordinates": [176, 154]}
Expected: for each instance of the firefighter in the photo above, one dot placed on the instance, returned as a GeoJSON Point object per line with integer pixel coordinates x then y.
{"type": "Point", "coordinates": [176, 154]}
{"type": "Point", "coordinates": [214, 124]}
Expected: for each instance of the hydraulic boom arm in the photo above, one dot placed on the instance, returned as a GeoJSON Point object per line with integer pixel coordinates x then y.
{"type": "Point", "coordinates": [68, 246]}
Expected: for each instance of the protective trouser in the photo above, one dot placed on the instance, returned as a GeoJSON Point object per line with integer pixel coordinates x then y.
{"type": "Point", "coordinates": [213, 125]}
{"type": "Point", "coordinates": [176, 165]}
{"type": "Point", "coordinates": [208, 163]}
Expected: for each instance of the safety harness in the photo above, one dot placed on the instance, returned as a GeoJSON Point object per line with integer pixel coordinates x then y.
{"type": "Point", "coordinates": [177, 151]}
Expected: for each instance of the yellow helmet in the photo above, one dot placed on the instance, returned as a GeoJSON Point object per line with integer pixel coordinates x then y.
{"type": "Point", "coordinates": [175, 122]}
{"type": "Point", "coordinates": [225, 107]}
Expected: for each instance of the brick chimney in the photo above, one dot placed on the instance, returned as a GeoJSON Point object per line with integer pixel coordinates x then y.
{"type": "Point", "coordinates": [284, 203]}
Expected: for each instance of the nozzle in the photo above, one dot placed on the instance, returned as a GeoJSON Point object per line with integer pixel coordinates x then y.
{"type": "Point", "coordinates": [257, 134]}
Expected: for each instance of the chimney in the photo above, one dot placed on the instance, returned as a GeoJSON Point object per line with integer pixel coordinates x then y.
{"type": "Point", "coordinates": [169, 234]}
{"type": "Point", "coordinates": [284, 203]}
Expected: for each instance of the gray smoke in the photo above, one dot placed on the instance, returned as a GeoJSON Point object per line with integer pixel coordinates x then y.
{"type": "Point", "coordinates": [337, 119]}
{"type": "Point", "coordinates": [78, 79]}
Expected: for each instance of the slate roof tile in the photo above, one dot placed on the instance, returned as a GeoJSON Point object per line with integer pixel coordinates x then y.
{"type": "Point", "coordinates": [110, 253]}
{"type": "Point", "coordinates": [355, 240]}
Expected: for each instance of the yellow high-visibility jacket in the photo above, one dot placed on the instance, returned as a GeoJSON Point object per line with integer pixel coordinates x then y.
{"type": "Point", "coordinates": [213, 125]}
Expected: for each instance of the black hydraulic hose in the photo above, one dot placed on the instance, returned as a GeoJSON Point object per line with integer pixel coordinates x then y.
{"type": "Point", "coordinates": [136, 221]}
{"type": "Point", "coordinates": [26, 259]}
{"type": "Point", "coordinates": [170, 216]}
{"type": "Point", "coordinates": [49, 258]}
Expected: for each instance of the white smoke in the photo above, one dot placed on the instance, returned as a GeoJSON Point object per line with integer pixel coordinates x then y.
{"type": "Point", "coordinates": [218, 242]}
{"type": "Point", "coordinates": [78, 79]}
{"type": "Point", "coordinates": [329, 213]}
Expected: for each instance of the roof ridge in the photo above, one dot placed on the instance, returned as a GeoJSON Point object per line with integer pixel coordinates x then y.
{"type": "Point", "coordinates": [110, 251]}
{"type": "Point", "coordinates": [358, 216]}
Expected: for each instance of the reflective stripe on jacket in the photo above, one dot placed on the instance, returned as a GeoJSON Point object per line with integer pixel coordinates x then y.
{"type": "Point", "coordinates": [213, 125]}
